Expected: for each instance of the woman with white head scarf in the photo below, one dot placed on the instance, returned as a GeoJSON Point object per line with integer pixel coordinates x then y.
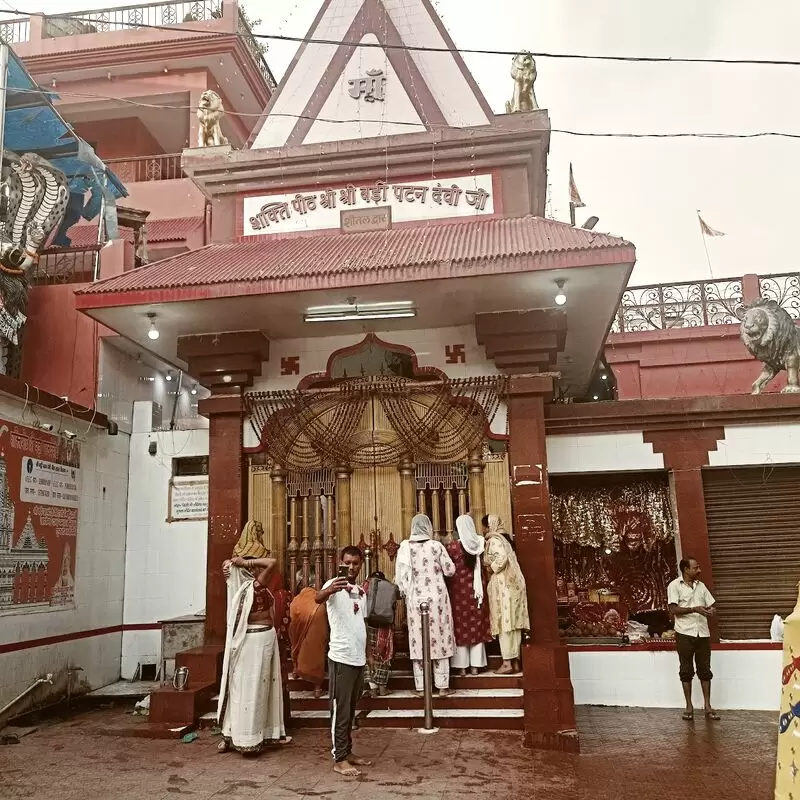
{"type": "Point", "coordinates": [421, 567]}
{"type": "Point", "coordinates": [508, 599]}
{"type": "Point", "coordinates": [468, 598]}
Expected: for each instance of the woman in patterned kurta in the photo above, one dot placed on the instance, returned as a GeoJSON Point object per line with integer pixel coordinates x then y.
{"type": "Point", "coordinates": [422, 565]}
{"type": "Point", "coordinates": [467, 597]}
{"type": "Point", "coordinates": [508, 599]}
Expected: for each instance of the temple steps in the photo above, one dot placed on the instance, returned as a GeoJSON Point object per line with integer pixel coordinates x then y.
{"type": "Point", "coordinates": [486, 701]}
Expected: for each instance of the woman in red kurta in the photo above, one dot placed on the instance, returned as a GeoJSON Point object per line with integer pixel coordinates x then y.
{"type": "Point", "coordinates": [467, 589]}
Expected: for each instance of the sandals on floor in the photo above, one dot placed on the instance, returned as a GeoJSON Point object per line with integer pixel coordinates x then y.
{"type": "Point", "coordinates": [688, 716]}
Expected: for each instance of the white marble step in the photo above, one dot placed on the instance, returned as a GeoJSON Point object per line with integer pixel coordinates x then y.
{"type": "Point", "coordinates": [406, 694]}
{"type": "Point", "coordinates": [449, 712]}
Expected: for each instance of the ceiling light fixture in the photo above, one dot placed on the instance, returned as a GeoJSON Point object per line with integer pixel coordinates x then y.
{"type": "Point", "coordinates": [561, 297]}
{"type": "Point", "coordinates": [346, 312]}
{"type": "Point", "coordinates": [153, 333]}
{"type": "Point", "coordinates": [169, 375]}
{"type": "Point", "coordinates": [194, 389]}
{"type": "Point", "coordinates": [226, 378]}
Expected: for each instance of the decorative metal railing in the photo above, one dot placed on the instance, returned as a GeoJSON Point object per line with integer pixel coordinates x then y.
{"type": "Point", "coordinates": [144, 169]}
{"type": "Point", "coordinates": [15, 30]}
{"type": "Point", "coordinates": [147, 15]}
{"type": "Point", "coordinates": [680, 305]}
{"type": "Point", "coordinates": [73, 265]}
{"type": "Point", "coordinates": [784, 289]}
{"type": "Point", "coordinates": [256, 49]}
{"type": "Point", "coordinates": [128, 17]}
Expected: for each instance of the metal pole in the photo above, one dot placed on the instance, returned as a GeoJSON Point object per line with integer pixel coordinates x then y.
{"type": "Point", "coordinates": [368, 560]}
{"type": "Point", "coordinates": [427, 666]}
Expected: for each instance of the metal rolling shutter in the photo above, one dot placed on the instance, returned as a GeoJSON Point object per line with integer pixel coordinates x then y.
{"type": "Point", "coordinates": [754, 532]}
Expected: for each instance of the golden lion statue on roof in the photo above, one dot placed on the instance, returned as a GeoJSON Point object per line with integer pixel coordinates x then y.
{"type": "Point", "coordinates": [209, 114]}
{"type": "Point", "coordinates": [523, 71]}
{"type": "Point", "coordinates": [769, 333]}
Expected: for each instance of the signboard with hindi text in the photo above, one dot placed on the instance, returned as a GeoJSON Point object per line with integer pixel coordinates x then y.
{"type": "Point", "coordinates": [39, 500]}
{"type": "Point", "coordinates": [188, 500]}
{"type": "Point", "coordinates": [470, 196]}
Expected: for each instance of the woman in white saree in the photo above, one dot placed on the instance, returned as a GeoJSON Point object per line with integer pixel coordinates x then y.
{"type": "Point", "coordinates": [250, 709]}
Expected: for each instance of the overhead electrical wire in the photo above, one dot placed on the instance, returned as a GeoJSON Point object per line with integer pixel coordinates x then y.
{"type": "Point", "coordinates": [421, 48]}
{"type": "Point", "coordinates": [563, 131]}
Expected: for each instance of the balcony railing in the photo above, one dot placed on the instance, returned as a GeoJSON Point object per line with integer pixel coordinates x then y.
{"type": "Point", "coordinates": [679, 305]}
{"type": "Point", "coordinates": [257, 50]}
{"type": "Point", "coordinates": [177, 12]}
{"type": "Point", "coordinates": [691, 304]}
{"type": "Point", "coordinates": [15, 30]}
{"type": "Point", "coordinates": [73, 265]}
{"type": "Point", "coordinates": [144, 169]}
{"type": "Point", "coordinates": [128, 17]}
{"type": "Point", "coordinates": [784, 289]}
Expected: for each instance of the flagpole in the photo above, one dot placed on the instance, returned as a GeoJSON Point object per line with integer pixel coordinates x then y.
{"type": "Point", "coordinates": [705, 245]}
{"type": "Point", "coordinates": [572, 214]}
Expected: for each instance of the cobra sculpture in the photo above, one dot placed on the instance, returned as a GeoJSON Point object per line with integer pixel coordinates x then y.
{"type": "Point", "coordinates": [35, 195]}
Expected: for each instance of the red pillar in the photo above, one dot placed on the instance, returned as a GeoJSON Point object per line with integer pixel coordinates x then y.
{"type": "Point", "coordinates": [685, 454]}
{"type": "Point", "coordinates": [227, 499]}
{"type": "Point", "coordinates": [226, 363]}
{"type": "Point", "coordinates": [549, 701]}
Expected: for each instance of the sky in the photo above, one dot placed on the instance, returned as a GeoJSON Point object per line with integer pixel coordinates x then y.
{"type": "Point", "coordinates": [647, 191]}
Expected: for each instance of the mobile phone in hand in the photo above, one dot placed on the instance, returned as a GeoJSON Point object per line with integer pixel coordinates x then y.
{"type": "Point", "coordinates": [344, 571]}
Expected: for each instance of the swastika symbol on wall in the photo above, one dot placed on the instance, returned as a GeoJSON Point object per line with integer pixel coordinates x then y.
{"type": "Point", "coordinates": [290, 365]}
{"type": "Point", "coordinates": [455, 354]}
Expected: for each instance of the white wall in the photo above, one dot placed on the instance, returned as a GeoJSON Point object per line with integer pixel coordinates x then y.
{"type": "Point", "coordinates": [165, 563]}
{"type": "Point", "coordinates": [757, 444]}
{"type": "Point", "coordinates": [601, 452]}
{"type": "Point", "coordinates": [429, 345]}
{"type": "Point", "coordinates": [99, 576]}
{"type": "Point", "coordinates": [743, 679]}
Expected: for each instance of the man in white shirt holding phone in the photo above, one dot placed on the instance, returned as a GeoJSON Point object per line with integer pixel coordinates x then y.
{"type": "Point", "coordinates": [345, 603]}
{"type": "Point", "coordinates": [691, 606]}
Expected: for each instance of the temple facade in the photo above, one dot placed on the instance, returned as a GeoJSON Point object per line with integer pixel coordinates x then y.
{"type": "Point", "coordinates": [379, 321]}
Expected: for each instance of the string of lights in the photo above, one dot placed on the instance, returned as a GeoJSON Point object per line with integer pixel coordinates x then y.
{"type": "Point", "coordinates": [416, 124]}
{"type": "Point", "coordinates": [80, 17]}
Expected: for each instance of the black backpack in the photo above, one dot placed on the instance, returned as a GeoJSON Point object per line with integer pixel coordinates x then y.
{"type": "Point", "coordinates": [381, 600]}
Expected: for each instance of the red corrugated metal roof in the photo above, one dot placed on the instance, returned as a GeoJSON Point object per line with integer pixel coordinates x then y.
{"type": "Point", "coordinates": [158, 230]}
{"type": "Point", "coordinates": [272, 259]}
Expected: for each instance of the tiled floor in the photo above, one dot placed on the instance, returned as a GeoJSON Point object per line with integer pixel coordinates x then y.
{"type": "Point", "coordinates": [627, 753]}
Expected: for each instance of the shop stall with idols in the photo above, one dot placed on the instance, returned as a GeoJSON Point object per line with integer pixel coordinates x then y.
{"type": "Point", "coordinates": [615, 555]}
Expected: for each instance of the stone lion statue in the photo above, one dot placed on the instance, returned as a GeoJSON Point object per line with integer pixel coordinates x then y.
{"type": "Point", "coordinates": [523, 71]}
{"type": "Point", "coordinates": [770, 334]}
{"type": "Point", "coordinates": [209, 114]}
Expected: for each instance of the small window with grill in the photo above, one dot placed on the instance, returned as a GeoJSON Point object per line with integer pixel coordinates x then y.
{"type": "Point", "coordinates": [189, 465]}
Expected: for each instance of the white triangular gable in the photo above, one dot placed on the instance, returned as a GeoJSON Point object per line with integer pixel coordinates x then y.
{"type": "Point", "coordinates": [395, 114]}
{"type": "Point", "coordinates": [426, 90]}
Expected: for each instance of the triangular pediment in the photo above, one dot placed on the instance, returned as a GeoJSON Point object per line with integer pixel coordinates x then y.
{"type": "Point", "coordinates": [344, 91]}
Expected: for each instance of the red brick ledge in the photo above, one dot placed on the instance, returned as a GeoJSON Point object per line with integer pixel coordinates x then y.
{"type": "Point", "coordinates": [678, 413]}
{"type": "Point", "coordinates": [38, 397]}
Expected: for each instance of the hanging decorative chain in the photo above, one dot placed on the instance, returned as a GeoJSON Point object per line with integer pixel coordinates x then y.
{"type": "Point", "coordinates": [433, 421]}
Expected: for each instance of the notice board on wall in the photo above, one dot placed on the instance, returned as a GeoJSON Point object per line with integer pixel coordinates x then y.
{"type": "Point", "coordinates": [39, 501]}
{"type": "Point", "coordinates": [188, 500]}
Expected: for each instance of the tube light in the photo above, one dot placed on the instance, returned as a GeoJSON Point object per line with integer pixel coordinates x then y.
{"type": "Point", "coordinates": [344, 313]}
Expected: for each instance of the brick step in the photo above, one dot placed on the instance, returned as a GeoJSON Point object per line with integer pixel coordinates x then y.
{"type": "Point", "coordinates": [173, 707]}
{"type": "Point", "coordinates": [406, 700]}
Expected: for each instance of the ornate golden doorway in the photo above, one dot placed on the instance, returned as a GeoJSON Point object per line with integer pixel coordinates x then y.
{"type": "Point", "coordinates": [353, 453]}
